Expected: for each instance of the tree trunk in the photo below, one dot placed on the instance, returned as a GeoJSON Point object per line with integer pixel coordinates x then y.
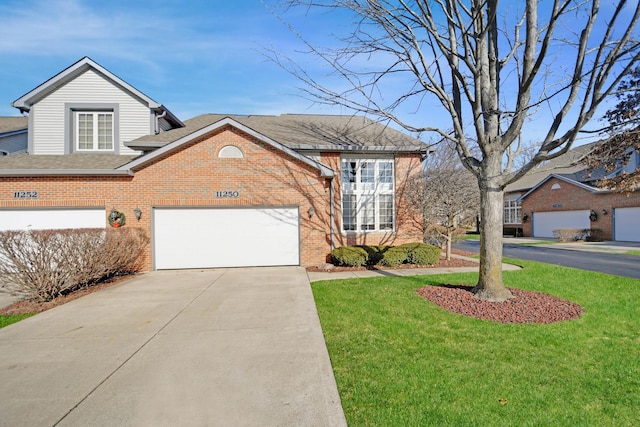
{"type": "Point", "coordinates": [449, 238]}
{"type": "Point", "coordinates": [490, 285]}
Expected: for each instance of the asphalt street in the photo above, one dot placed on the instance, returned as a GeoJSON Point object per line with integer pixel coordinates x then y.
{"type": "Point", "coordinates": [603, 262]}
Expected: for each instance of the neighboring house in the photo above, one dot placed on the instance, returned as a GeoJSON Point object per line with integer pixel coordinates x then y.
{"type": "Point", "coordinates": [13, 135]}
{"type": "Point", "coordinates": [562, 194]}
{"type": "Point", "coordinates": [214, 191]}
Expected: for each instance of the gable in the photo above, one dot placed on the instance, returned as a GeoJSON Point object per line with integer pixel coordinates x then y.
{"type": "Point", "coordinates": [554, 183]}
{"type": "Point", "coordinates": [91, 89]}
{"type": "Point", "coordinates": [219, 126]}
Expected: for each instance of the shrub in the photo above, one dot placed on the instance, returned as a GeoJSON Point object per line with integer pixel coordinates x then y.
{"type": "Point", "coordinates": [350, 256]}
{"type": "Point", "coordinates": [374, 253]}
{"type": "Point", "coordinates": [423, 254]}
{"type": "Point", "coordinates": [44, 264]}
{"type": "Point", "coordinates": [568, 234]}
{"type": "Point", "coordinates": [593, 234]}
{"type": "Point", "coordinates": [394, 256]}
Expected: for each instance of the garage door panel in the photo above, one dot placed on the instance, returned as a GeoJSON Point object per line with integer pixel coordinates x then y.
{"type": "Point", "coordinates": [545, 222]}
{"type": "Point", "coordinates": [225, 237]}
{"type": "Point", "coordinates": [43, 219]}
{"type": "Point", "coordinates": [627, 224]}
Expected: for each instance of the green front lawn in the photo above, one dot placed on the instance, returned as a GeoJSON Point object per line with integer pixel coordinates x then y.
{"type": "Point", "coordinates": [400, 360]}
{"type": "Point", "coordinates": [7, 319]}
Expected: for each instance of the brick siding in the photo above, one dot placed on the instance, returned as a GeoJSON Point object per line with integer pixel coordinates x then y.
{"type": "Point", "coordinates": [571, 197]}
{"type": "Point", "coordinates": [190, 176]}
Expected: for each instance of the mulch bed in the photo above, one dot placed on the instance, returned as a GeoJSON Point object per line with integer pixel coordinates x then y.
{"type": "Point", "coordinates": [524, 307]}
{"type": "Point", "coordinates": [442, 263]}
{"type": "Point", "coordinates": [27, 306]}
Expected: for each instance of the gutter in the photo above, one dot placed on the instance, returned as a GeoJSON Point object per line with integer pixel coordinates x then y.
{"type": "Point", "coordinates": [64, 172]}
{"type": "Point", "coordinates": [332, 208]}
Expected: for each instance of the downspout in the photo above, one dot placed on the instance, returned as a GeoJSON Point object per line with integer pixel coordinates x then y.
{"type": "Point", "coordinates": [157, 123]}
{"type": "Point", "coordinates": [332, 213]}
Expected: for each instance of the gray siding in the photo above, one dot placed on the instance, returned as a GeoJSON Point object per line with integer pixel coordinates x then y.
{"type": "Point", "coordinates": [48, 114]}
{"type": "Point", "coordinates": [12, 144]}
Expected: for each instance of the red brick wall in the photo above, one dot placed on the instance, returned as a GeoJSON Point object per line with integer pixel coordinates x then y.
{"type": "Point", "coordinates": [572, 197]}
{"type": "Point", "coordinates": [191, 176]}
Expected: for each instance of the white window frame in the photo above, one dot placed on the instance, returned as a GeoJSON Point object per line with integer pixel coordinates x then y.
{"type": "Point", "coordinates": [95, 136]}
{"type": "Point", "coordinates": [362, 188]}
{"type": "Point", "coordinates": [512, 210]}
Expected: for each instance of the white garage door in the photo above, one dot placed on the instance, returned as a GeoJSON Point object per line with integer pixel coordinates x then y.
{"type": "Point", "coordinates": [545, 222]}
{"type": "Point", "coordinates": [626, 226]}
{"type": "Point", "coordinates": [225, 237]}
{"type": "Point", "coordinates": [43, 219]}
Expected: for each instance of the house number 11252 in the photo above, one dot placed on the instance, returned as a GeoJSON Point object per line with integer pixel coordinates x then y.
{"type": "Point", "coordinates": [221, 194]}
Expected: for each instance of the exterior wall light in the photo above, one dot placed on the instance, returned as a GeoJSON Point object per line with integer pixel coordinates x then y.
{"type": "Point", "coordinates": [312, 211]}
{"type": "Point", "coordinates": [138, 213]}
{"type": "Point", "coordinates": [604, 212]}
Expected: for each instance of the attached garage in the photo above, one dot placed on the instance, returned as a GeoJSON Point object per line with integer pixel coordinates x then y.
{"type": "Point", "coordinates": [545, 222]}
{"type": "Point", "coordinates": [43, 219]}
{"type": "Point", "coordinates": [626, 224]}
{"type": "Point", "coordinates": [225, 237]}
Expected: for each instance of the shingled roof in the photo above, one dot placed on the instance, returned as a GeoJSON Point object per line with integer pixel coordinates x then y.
{"type": "Point", "coordinates": [13, 124]}
{"type": "Point", "coordinates": [568, 165]}
{"type": "Point", "coordinates": [68, 164]}
{"type": "Point", "coordinates": [301, 132]}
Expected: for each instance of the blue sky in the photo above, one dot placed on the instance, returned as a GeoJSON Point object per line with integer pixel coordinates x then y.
{"type": "Point", "coordinates": [194, 56]}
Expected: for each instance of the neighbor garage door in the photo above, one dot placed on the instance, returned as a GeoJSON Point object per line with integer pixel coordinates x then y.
{"type": "Point", "coordinates": [545, 222]}
{"type": "Point", "coordinates": [225, 237]}
{"type": "Point", "coordinates": [626, 225]}
{"type": "Point", "coordinates": [42, 219]}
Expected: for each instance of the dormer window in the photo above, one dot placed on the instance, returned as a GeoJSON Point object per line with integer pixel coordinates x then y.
{"type": "Point", "coordinates": [94, 131]}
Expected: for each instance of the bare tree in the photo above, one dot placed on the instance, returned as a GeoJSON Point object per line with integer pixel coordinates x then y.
{"type": "Point", "coordinates": [446, 195]}
{"type": "Point", "coordinates": [488, 65]}
{"type": "Point", "coordinates": [623, 130]}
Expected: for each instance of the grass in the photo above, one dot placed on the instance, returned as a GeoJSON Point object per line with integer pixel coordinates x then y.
{"type": "Point", "coordinates": [401, 360]}
{"type": "Point", "coordinates": [632, 253]}
{"type": "Point", "coordinates": [7, 319]}
{"type": "Point", "coordinates": [469, 236]}
{"type": "Point", "coordinates": [539, 242]}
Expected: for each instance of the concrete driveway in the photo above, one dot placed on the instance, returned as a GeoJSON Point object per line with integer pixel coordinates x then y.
{"type": "Point", "coordinates": [224, 347]}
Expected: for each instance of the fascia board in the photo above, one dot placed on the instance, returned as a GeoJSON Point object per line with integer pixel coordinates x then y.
{"type": "Point", "coordinates": [64, 172]}
{"type": "Point", "coordinates": [24, 102]}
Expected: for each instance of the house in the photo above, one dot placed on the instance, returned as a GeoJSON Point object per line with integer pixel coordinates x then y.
{"type": "Point", "coordinates": [13, 135]}
{"type": "Point", "coordinates": [213, 191]}
{"type": "Point", "coordinates": [562, 193]}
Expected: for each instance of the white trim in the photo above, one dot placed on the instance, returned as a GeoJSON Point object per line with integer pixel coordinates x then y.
{"type": "Point", "coordinates": [365, 193]}
{"type": "Point", "coordinates": [25, 101]}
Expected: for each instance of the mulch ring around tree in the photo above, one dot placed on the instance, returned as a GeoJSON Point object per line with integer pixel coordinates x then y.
{"type": "Point", "coordinates": [524, 307]}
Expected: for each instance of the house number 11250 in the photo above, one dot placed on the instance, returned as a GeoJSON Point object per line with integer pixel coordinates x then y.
{"type": "Point", "coordinates": [221, 194]}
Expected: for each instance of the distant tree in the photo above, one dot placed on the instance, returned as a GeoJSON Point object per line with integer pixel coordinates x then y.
{"type": "Point", "coordinates": [623, 140]}
{"type": "Point", "coordinates": [489, 66]}
{"type": "Point", "coordinates": [445, 194]}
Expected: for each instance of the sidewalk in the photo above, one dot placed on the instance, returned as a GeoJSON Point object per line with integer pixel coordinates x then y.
{"type": "Point", "coordinates": [610, 246]}
{"type": "Point", "coordinates": [316, 276]}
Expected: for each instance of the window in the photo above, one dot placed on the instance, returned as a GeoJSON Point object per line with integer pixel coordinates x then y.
{"type": "Point", "coordinates": [367, 194]}
{"type": "Point", "coordinates": [512, 212]}
{"type": "Point", "coordinates": [230, 152]}
{"type": "Point", "coordinates": [94, 131]}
